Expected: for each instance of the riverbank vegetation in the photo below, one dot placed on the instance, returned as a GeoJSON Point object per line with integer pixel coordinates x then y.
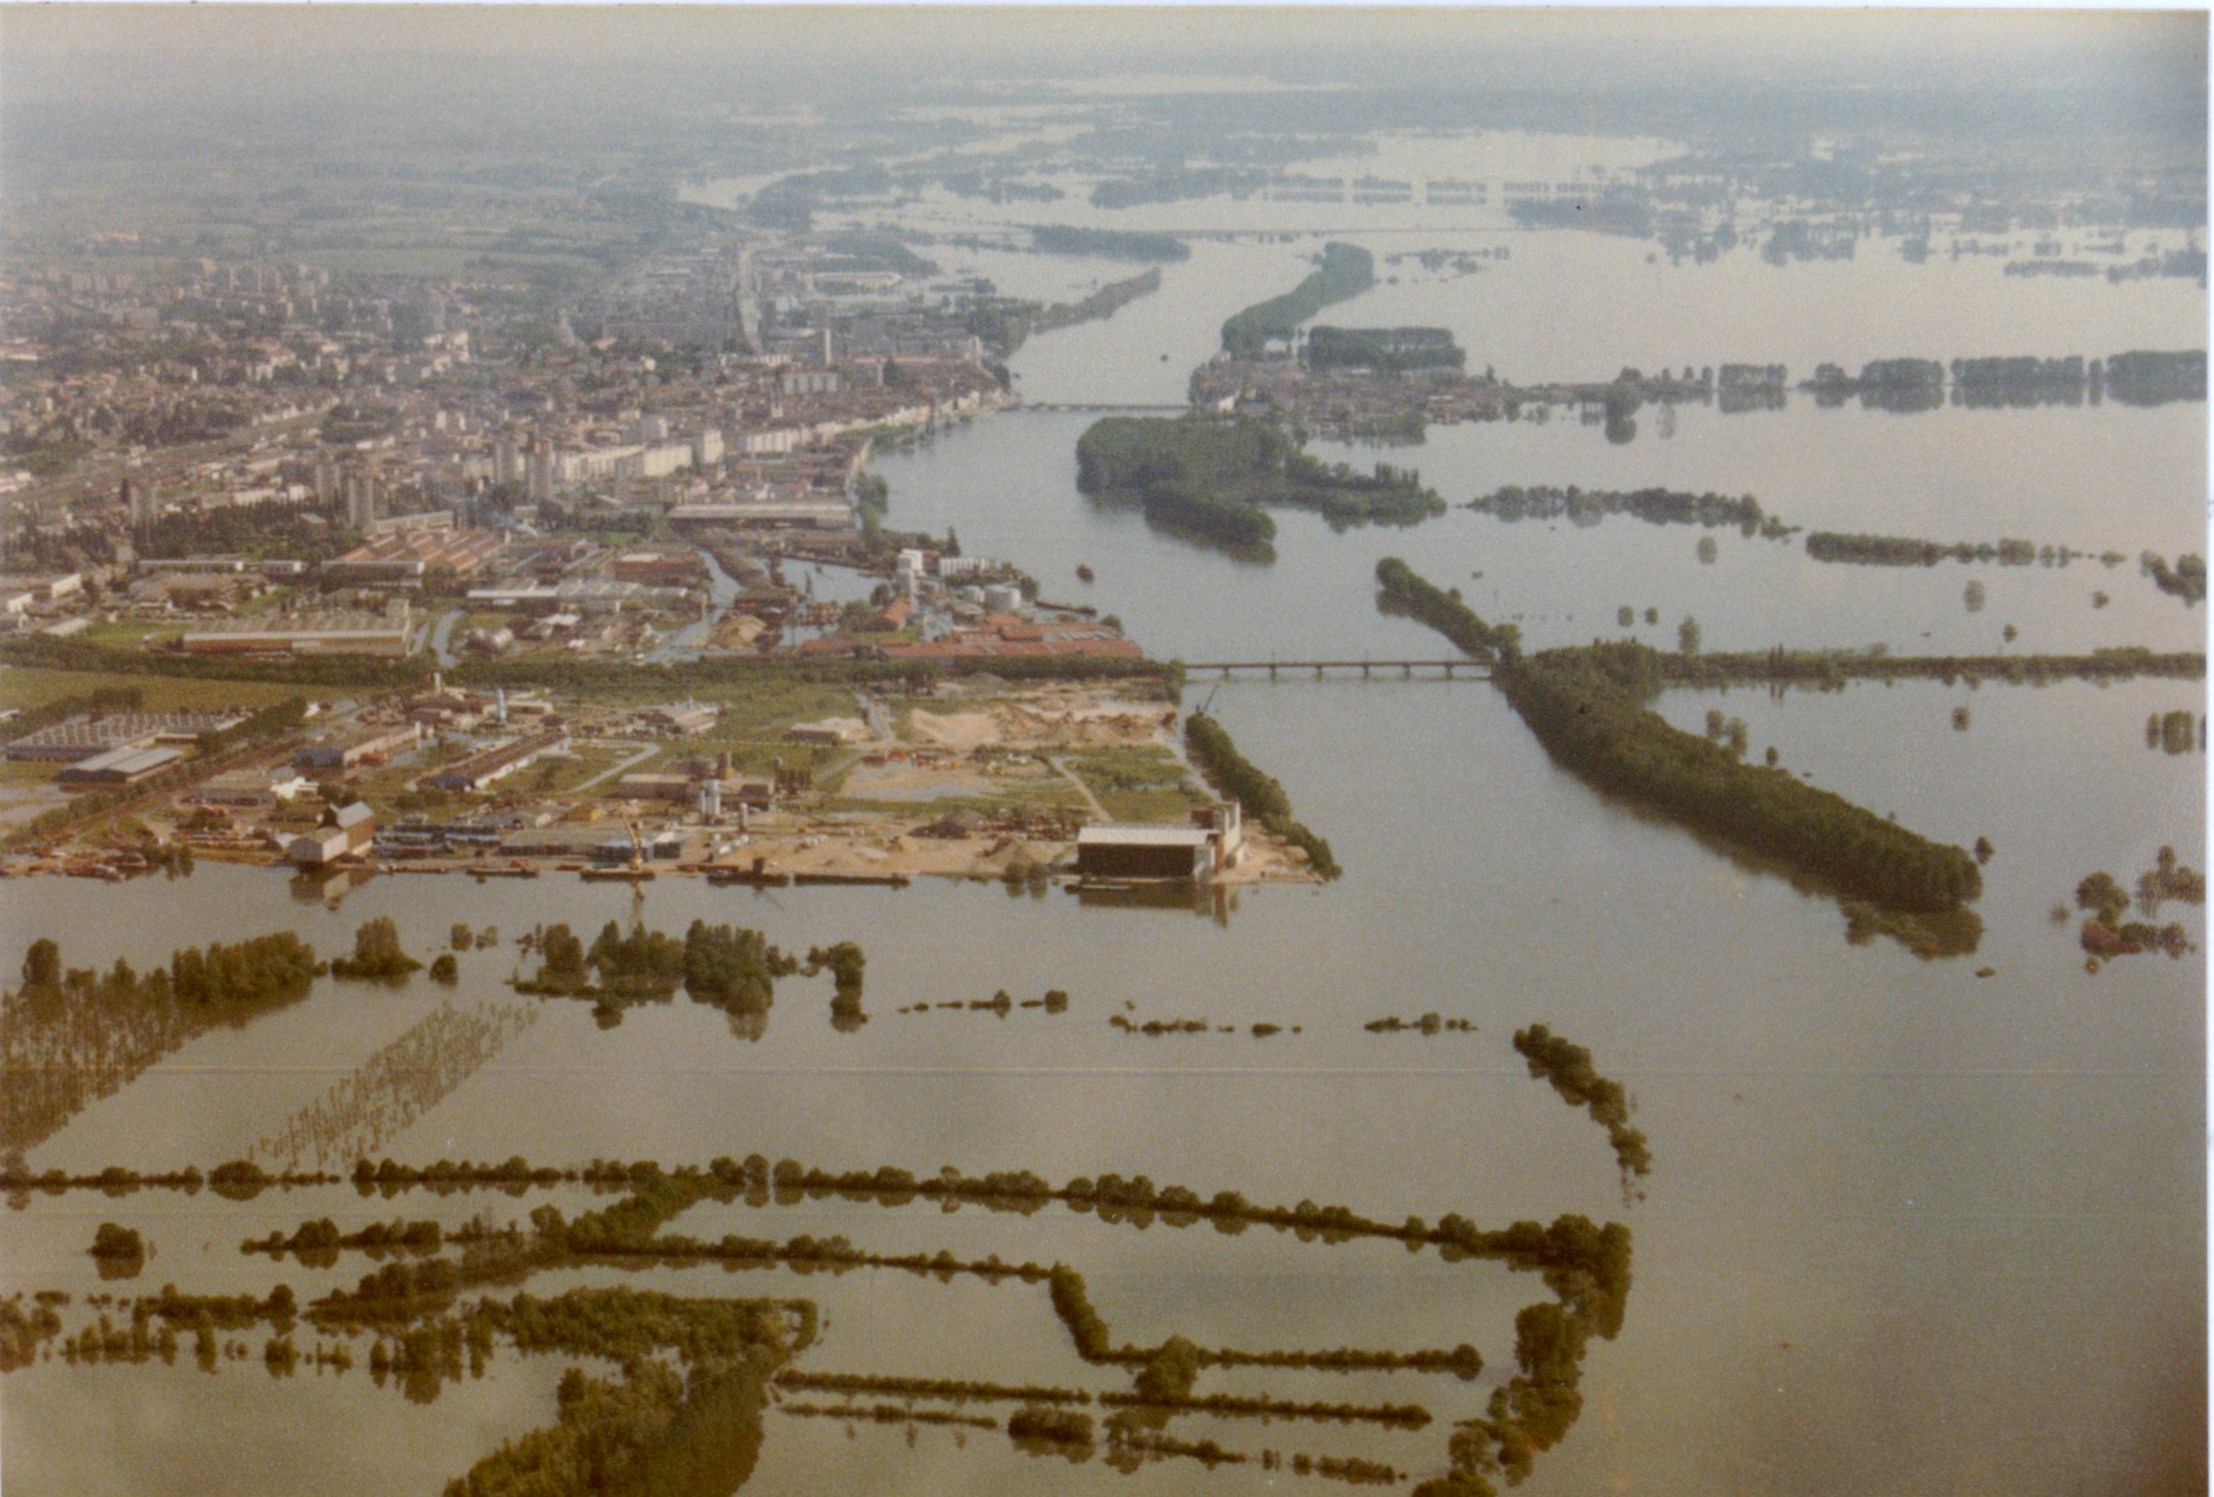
{"type": "Point", "coordinates": [1404, 592]}
{"type": "Point", "coordinates": [1346, 271]}
{"type": "Point", "coordinates": [1216, 756]}
{"type": "Point", "coordinates": [1100, 305]}
{"type": "Point", "coordinates": [1588, 708]}
{"type": "Point", "coordinates": [1005, 326]}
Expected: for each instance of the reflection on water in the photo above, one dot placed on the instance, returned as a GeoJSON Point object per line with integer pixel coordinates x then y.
{"type": "Point", "coordinates": [1902, 1205]}
{"type": "Point", "coordinates": [1215, 901]}
{"type": "Point", "coordinates": [423, 1336]}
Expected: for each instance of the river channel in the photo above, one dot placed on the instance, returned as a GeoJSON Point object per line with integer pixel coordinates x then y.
{"type": "Point", "coordinates": [1911, 1229]}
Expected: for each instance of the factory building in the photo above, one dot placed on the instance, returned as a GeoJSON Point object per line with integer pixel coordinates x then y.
{"type": "Point", "coordinates": [372, 746]}
{"type": "Point", "coordinates": [119, 766]}
{"type": "Point", "coordinates": [482, 768]}
{"type": "Point", "coordinates": [85, 737]}
{"type": "Point", "coordinates": [1196, 852]}
{"type": "Point", "coordinates": [344, 832]}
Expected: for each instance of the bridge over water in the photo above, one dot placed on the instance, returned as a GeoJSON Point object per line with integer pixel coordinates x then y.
{"type": "Point", "coordinates": [1454, 669]}
{"type": "Point", "coordinates": [1158, 410]}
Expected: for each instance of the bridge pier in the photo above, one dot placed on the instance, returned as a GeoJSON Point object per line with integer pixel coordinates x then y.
{"type": "Point", "coordinates": [1272, 671]}
{"type": "Point", "coordinates": [1448, 670]}
{"type": "Point", "coordinates": [1364, 670]}
{"type": "Point", "coordinates": [1318, 673]}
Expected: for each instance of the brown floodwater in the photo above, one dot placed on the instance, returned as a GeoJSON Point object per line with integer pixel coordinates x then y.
{"type": "Point", "coordinates": [1909, 1229]}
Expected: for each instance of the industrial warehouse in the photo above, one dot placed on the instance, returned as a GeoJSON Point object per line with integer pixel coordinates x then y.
{"type": "Point", "coordinates": [1199, 851]}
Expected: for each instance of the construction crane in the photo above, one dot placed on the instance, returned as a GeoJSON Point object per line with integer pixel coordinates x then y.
{"type": "Point", "coordinates": [636, 871]}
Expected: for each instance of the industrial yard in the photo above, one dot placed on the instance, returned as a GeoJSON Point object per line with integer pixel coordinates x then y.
{"type": "Point", "coordinates": [974, 778]}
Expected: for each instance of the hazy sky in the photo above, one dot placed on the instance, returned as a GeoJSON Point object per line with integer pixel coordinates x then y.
{"type": "Point", "coordinates": [1825, 40]}
{"type": "Point", "coordinates": [67, 71]}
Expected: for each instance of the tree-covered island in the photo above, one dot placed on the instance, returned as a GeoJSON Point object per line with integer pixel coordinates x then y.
{"type": "Point", "coordinates": [1210, 480]}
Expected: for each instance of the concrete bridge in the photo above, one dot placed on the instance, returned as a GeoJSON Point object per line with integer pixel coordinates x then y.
{"type": "Point", "coordinates": [1455, 669]}
{"type": "Point", "coordinates": [1158, 410]}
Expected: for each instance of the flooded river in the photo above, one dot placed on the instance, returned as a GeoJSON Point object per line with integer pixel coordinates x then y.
{"type": "Point", "coordinates": [1910, 1229]}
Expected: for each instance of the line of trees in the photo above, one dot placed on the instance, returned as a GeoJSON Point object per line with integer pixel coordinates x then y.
{"type": "Point", "coordinates": [1100, 305]}
{"type": "Point", "coordinates": [1108, 244]}
{"type": "Point", "coordinates": [956, 1390]}
{"type": "Point", "coordinates": [356, 672]}
{"type": "Point", "coordinates": [69, 1036]}
{"type": "Point", "coordinates": [425, 1341]}
{"type": "Point", "coordinates": [1406, 592]}
{"type": "Point", "coordinates": [1263, 798]}
{"type": "Point", "coordinates": [1655, 506]}
{"type": "Point", "coordinates": [1586, 707]}
{"type": "Point", "coordinates": [1907, 551]}
{"type": "Point", "coordinates": [2143, 377]}
{"type": "Point", "coordinates": [1567, 1067]}
{"type": "Point", "coordinates": [100, 701]}
{"type": "Point", "coordinates": [1346, 271]}
{"type": "Point", "coordinates": [262, 726]}
{"type": "Point", "coordinates": [1832, 669]}
{"type": "Point", "coordinates": [729, 967]}
{"type": "Point", "coordinates": [575, 675]}
{"type": "Point", "coordinates": [399, 1082]}
{"type": "Point", "coordinates": [1385, 350]}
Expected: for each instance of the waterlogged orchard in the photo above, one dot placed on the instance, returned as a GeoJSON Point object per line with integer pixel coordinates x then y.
{"type": "Point", "coordinates": [418, 1280]}
{"type": "Point", "coordinates": [1746, 1034]}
